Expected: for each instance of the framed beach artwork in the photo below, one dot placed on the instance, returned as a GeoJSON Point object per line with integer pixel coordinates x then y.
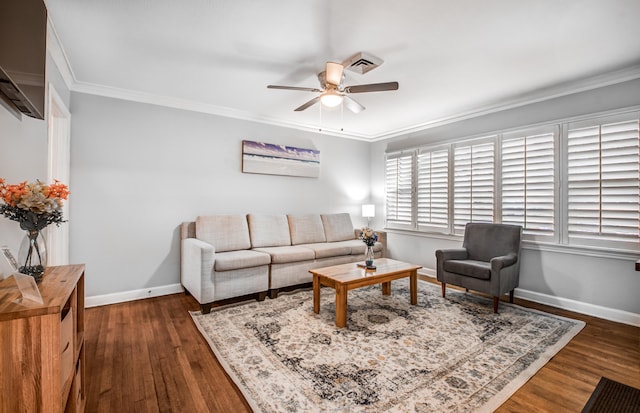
{"type": "Point", "coordinates": [271, 159]}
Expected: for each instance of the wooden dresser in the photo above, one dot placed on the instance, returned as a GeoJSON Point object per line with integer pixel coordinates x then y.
{"type": "Point", "coordinates": [42, 345]}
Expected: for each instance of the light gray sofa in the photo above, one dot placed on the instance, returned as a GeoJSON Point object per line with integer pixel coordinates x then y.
{"type": "Point", "coordinates": [228, 256]}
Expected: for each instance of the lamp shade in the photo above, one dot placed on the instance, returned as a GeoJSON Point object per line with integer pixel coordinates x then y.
{"type": "Point", "coordinates": [368, 210]}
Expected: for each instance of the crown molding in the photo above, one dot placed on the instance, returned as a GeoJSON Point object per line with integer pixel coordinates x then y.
{"type": "Point", "coordinates": [59, 56]}
{"type": "Point", "coordinates": [540, 95]}
{"type": "Point", "coordinates": [581, 85]}
{"type": "Point", "coordinates": [194, 106]}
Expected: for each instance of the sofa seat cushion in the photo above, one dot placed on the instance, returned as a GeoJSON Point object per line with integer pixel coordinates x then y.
{"type": "Point", "coordinates": [329, 249]}
{"type": "Point", "coordinates": [470, 268]}
{"type": "Point", "coordinates": [224, 232]}
{"type": "Point", "coordinates": [306, 229]}
{"type": "Point", "coordinates": [234, 260]}
{"type": "Point", "coordinates": [337, 227]}
{"type": "Point", "coordinates": [268, 230]}
{"type": "Point", "coordinates": [294, 253]}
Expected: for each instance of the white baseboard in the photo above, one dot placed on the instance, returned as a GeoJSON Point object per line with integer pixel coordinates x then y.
{"type": "Point", "coordinates": [606, 313]}
{"type": "Point", "coordinates": [114, 298]}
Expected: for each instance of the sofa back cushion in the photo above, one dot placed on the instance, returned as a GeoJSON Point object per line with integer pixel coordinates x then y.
{"type": "Point", "coordinates": [306, 229]}
{"type": "Point", "coordinates": [224, 232]}
{"type": "Point", "coordinates": [337, 227]}
{"type": "Point", "coordinates": [268, 230]}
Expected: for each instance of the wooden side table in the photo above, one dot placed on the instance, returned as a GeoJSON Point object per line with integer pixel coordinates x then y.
{"type": "Point", "coordinates": [42, 345]}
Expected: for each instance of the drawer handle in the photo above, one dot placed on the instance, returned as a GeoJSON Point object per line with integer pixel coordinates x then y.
{"type": "Point", "coordinates": [66, 347]}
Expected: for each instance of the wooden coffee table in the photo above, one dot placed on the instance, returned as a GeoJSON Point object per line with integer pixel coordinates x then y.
{"type": "Point", "coordinates": [347, 277]}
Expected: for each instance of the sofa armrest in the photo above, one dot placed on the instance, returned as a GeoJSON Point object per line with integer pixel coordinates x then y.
{"type": "Point", "coordinates": [382, 239]}
{"type": "Point", "coordinates": [503, 261]}
{"type": "Point", "coordinates": [196, 266]}
{"type": "Point", "coordinates": [451, 254]}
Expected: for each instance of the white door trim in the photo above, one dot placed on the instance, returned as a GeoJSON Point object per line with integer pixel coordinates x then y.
{"type": "Point", "coordinates": [59, 165]}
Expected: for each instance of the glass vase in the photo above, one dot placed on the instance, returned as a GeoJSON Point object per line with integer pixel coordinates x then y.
{"type": "Point", "coordinates": [32, 255]}
{"type": "Point", "coordinates": [368, 256]}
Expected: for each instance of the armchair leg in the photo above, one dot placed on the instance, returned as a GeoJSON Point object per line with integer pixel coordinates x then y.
{"type": "Point", "coordinates": [496, 301]}
{"type": "Point", "coordinates": [444, 289]}
{"type": "Point", "coordinates": [511, 296]}
{"type": "Point", "coordinates": [206, 308]}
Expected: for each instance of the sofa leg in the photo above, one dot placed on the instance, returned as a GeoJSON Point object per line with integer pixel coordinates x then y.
{"type": "Point", "coordinates": [262, 296]}
{"type": "Point", "coordinates": [273, 294]}
{"type": "Point", "coordinates": [511, 296]}
{"type": "Point", "coordinates": [496, 301]}
{"type": "Point", "coordinates": [206, 308]}
{"type": "Point", "coordinates": [444, 289]}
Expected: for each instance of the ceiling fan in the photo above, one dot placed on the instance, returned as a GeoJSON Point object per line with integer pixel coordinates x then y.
{"type": "Point", "coordinates": [333, 92]}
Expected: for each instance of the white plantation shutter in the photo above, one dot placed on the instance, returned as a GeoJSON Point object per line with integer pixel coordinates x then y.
{"type": "Point", "coordinates": [603, 176]}
{"type": "Point", "coordinates": [473, 184]}
{"type": "Point", "coordinates": [433, 189]}
{"type": "Point", "coordinates": [399, 190]}
{"type": "Point", "coordinates": [528, 182]}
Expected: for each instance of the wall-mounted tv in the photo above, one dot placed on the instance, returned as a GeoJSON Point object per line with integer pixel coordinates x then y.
{"type": "Point", "coordinates": [23, 55]}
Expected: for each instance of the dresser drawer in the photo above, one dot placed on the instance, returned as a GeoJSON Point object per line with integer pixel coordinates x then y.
{"type": "Point", "coordinates": [67, 348]}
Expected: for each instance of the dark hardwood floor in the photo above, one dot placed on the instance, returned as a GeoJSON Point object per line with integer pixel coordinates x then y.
{"type": "Point", "coordinates": [148, 356]}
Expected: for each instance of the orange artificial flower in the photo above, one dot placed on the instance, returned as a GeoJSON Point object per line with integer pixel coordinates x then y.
{"type": "Point", "coordinates": [57, 190]}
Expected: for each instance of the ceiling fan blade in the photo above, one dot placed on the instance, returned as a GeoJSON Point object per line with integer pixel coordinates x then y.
{"type": "Point", "coordinates": [304, 89]}
{"type": "Point", "coordinates": [372, 87]}
{"type": "Point", "coordinates": [334, 73]}
{"type": "Point", "coordinates": [352, 105]}
{"type": "Point", "coordinates": [309, 103]}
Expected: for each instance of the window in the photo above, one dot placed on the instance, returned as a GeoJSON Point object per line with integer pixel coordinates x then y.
{"type": "Point", "coordinates": [399, 190]}
{"type": "Point", "coordinates": [578, 188]}
{"type": "Point", "coordinates": [528, 182]}
{"type": "Point", "coordinates": [602, 187]}
{"type": "Point", "coordinates": [433, 190]}
{"type": "Point", "coordinates": [473, 183]}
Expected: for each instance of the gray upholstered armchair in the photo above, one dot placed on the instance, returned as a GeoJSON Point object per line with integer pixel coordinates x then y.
{"type": "Point", "coordinates": [489, 261]}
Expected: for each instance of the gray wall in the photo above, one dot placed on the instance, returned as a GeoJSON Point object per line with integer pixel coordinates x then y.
{"type": "Point", "coordinates": [23, 152]}
{"type": "Point", "coordinates": [606, 282]}
{"type": "Point", "coordinates": [139, 170]}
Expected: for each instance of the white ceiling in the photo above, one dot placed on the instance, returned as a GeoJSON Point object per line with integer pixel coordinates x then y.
{"type": "Point", "coordinates": [451, 58]}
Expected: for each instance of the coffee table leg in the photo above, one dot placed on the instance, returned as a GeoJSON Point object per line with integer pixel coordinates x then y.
{"type": "Point", "coordinates": [386, 288]}
{"type": "Point", "coordinates": [413, 287]}
{"type": "Point", "coordinates": [316, 293]}
{"type": "Point", "coordinates": [341, 305]}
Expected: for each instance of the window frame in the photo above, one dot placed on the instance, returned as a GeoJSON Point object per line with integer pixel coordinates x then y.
{"type": "Point", "coordinates": [554, 129]}
{"type": "Point", "coordinates": [493, 140]}
{"type": "Point", "coordinates": [595, 241]}
{"type": "Point", "coordinates": [560, 240]}
{"type": "Point", "coordinates": [432, 227]}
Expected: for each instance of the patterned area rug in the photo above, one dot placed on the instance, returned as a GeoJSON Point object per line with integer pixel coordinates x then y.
{"type": "Point", "coordinates": [452, 354]}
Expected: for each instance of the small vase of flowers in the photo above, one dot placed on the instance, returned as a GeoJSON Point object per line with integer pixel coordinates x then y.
{"type": "Point", "coordinates": [369, 237]}
{"type": "Point", "coordinates": [34, 205]}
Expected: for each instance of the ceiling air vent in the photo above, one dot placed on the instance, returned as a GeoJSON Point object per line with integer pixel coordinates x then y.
{"type": "Point", "coordinates": [362, 63]}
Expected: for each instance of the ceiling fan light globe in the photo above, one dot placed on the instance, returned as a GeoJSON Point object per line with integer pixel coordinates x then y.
{"type": "Point", "coordinates": [331, 100]}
